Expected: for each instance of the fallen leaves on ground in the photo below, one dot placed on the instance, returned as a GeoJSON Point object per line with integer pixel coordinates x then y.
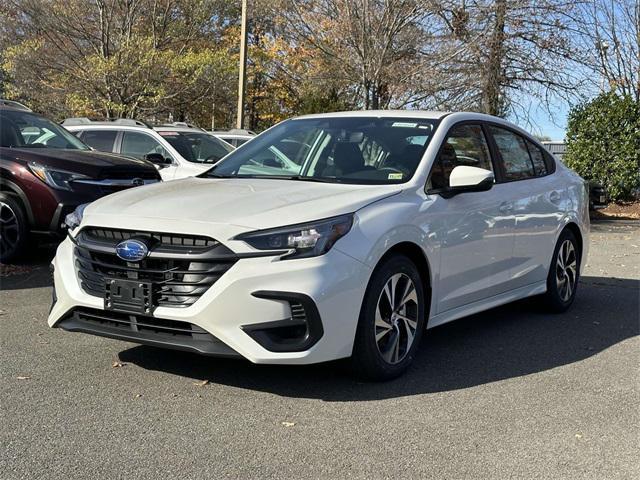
{"type": "Point", "coordinates": [117, 364]}
{"type": "Point", "coordinates": [8, 269]}
{"type": "Point", "coordinates": [202, 383]}
{"type": "Point", "coordinates": [288, 424]}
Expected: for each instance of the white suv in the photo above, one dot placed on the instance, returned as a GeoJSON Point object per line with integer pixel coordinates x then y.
{"type": "Point", "coordinates": [234, 136]}
{"type": "Point", "coordinates": [379, 225]}
{"type": "Point", "coordinates": [179, 150]}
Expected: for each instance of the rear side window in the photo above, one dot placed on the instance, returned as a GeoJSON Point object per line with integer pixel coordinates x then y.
{"type": "Point", "coordinates": [537, 157]}
{"type": "Point", "coordinates": [465, 145]}
{"type": "Point", "coordinates": [102, 140]}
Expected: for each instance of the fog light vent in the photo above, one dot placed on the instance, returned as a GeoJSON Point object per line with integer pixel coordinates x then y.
{"type": "Point", "coordinates": [295, 334]}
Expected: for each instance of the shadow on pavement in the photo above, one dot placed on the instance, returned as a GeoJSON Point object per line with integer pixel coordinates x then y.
{"type": "Point", "coordinates": [31, 270]}
{"type": "Point", "coordinates": [502, 343]}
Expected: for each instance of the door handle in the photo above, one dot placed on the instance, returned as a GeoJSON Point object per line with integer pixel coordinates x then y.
{"type": "Point", "coordinates": [506, 207]}
{"type": "Point", "coordinates": [554, 197]}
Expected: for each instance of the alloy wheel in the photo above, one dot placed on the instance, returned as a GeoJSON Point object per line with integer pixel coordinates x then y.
{"type": "Point", "coordinates": [9, 228]}
{"type": "Point", "coordinates": [566, 270]}
{"type": "Point", "coordinates": [396, 318]}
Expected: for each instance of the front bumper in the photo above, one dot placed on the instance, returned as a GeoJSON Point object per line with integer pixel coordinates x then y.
{"type": "Point", "coordinates": [235, 307]}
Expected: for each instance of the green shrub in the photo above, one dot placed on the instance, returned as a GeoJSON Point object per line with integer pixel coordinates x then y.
{"type": "Point", "coordinates": [603, 143]}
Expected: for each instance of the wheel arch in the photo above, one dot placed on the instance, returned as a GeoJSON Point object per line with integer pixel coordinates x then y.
{"type": "Point", "coordinates": [12, 189]}
{"type": "Point", "coordinates": [417, 255]}
{"type": "Point", "coordinates": [575, 229]}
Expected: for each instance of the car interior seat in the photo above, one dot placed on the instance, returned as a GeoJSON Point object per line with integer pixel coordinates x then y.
{"type": "Point", "coordinates": [347, 159]}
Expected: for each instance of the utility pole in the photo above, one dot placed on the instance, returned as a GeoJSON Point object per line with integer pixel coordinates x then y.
{"type": "Point", "coordinates": [242, 77]}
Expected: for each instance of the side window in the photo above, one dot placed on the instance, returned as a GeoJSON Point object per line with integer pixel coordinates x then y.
{"type": "Point", "coordinates": [138, 145]}
{"type": "Point", "coordinates": [537, 157]}
{"type": "Point", "coordinates": [465, 145]}
{"type": "Point", "coordinates": [102, 140]}
{"type": "Point", "coordinates": [514, 153]}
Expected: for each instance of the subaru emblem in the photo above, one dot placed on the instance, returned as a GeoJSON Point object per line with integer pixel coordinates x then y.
{"type": "Point", "coordinates": [136, 182]}
{"type": "Point", "coordinates": [132, 250]}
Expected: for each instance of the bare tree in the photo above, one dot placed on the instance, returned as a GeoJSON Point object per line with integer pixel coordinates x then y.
{"type": "Point", "coordinates": [369, 44]}
{"type": "Point", "coordinates": [608, 42]}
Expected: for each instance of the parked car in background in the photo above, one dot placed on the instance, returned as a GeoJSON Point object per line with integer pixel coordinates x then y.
{"type": "Point", "coordinates": [234, 136]}
{"type": "Point", "coordinates": [179, 150]}
{"type": "Point", "coordinates": [46, 172]}
{"type": "Point", "coordinates": [381, 224]}
{"type": "Point", "coordinates": [597, 192]}
{"type": "Point", "coordinates": [597, 196]}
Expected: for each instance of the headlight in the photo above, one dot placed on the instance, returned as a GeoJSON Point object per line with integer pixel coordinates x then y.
{"type": "Point", "coordinates": [306, 240]}
{"type": "Point", "coordinates": [73, 220]}
{"type": "Point", "coordinates": [54, 178]}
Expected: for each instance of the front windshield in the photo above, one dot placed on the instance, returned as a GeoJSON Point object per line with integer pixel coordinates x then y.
{"type": "Point", "coordinates": [19, 129]}
{"type": "Point", "coordinates": [365, 150]}
{"type": "Point", "coordinates": [197, 147]}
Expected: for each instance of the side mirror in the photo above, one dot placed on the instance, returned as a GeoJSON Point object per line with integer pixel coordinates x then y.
{"type": "Point", "coordinates": [468, 179]}
{"type": "Point", "coordinates": [158, 159]}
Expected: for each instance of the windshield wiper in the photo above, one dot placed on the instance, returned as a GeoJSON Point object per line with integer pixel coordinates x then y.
{"type": "Point", "coordinates": [300, 178]}
{"type": "Point", "coordinates": [217, 175]}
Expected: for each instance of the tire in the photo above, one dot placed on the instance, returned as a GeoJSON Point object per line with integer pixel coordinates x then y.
{"type": "Point", "coordinates": [13, 228]}
{"type": "Point", "coordinates": [393, 352]}
{"type": "Point", "coordinates": [564, 274]}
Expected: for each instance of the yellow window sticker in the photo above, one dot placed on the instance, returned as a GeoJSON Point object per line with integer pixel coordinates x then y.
{"type": "Point", "coordinates": [395, 176]}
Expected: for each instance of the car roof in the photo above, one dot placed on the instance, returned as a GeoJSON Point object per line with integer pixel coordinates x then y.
{"type": "Point", "coordinates": [140, 128]}
{"type": "Point", "coordinates": [232, 135]}
{"type": "Point", "coordinates": [178, 128]}
{"type": "Point", "coordinates": [13, 105]}
{"type": "Point", "coordinates": [426, 114]}
{"type": "Point", "coordinates": [84, 123]}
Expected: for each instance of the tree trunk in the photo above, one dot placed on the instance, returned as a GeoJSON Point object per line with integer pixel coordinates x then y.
{"type": "Point", "coordinates": [491, 94]}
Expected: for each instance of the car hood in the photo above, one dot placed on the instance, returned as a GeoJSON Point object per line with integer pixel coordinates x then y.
{"type": "Point", "coordinates": [86, 162]}
{"type": "Point", "coordinates": [245, 203]}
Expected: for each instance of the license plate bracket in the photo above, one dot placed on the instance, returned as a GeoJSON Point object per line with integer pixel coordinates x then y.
{"type": "Point", "coordinates": [128, 296]}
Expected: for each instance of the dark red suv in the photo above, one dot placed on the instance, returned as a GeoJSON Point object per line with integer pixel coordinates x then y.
{"type": "Point", "coordinates": [46, 172]}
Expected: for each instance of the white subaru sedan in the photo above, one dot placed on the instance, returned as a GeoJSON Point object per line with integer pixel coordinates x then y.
{"type": "Point", "coordinates": [373, 227]}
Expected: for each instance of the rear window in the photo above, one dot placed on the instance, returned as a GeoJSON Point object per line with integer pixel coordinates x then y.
{"type": "Point", "coordinates": [537, 158]}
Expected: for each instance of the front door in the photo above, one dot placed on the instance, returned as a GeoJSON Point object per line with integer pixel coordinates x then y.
{"type": "Point", "coordinates": [474, 230]}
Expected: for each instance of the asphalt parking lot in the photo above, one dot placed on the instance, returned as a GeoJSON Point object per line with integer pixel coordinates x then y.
{"type": "Point", "coordinates": [509, 393]}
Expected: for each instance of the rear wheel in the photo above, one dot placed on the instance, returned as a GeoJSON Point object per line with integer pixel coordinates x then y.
{"type": "Point", "coordinates": [391, 320]}
{"type": "Point", "coordinates": [562, 281]}
{"type": "Point", "coordinates": [13, 228]}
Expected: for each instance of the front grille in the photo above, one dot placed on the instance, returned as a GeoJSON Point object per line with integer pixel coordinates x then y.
{"type": "Point", "coordinates": [181, 268]}
{"type": "Point", "coordinates": [165, 240]}
{"type": "Point", "coordinates": [116, 173]}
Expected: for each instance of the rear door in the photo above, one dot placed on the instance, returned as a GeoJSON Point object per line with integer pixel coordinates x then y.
{"type": "Point", "coordinates": [532, 188]}
{"type": "Point", "coordinates": [474, 229]}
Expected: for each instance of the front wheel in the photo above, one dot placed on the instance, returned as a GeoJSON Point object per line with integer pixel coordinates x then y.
{"type": "Point", "coordinates": [391, 320]}
{"type": "Point", "coordinates": [564, 273]}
